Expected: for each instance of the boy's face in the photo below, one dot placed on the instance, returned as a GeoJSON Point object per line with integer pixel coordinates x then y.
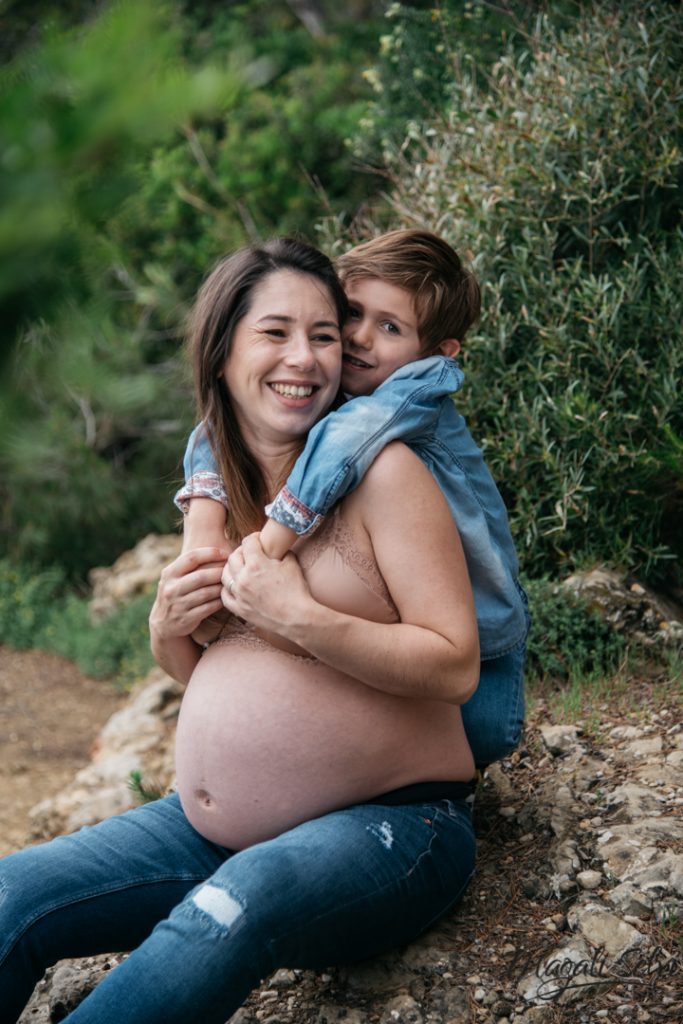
{"type": "Point", "coordinates": [380, 335]}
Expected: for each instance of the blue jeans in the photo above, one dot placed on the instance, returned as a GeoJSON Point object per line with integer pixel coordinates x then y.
{"type": "Point", "coordinates": [207, 924]}
{"type": "Point", "coordinates": [494, 716]}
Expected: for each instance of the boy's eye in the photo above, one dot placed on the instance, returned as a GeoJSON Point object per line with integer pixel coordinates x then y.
{"type": "Point", "coordinates": [354, 314]}
{"type": "Point", "coordinates": [390, 327]}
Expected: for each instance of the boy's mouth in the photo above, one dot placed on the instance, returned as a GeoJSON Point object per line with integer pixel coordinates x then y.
{"type": "Point", "coordinates": [360, 364]}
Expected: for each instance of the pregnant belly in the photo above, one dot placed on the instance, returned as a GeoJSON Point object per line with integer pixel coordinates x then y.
{"type": "Point", "coordinates": [266, 740]}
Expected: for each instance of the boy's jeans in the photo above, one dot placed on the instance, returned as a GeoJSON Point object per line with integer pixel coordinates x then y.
{"type": "Point", "coordinates": [494, 716]}
{"type": "Point", "coordinates": [206, 924]}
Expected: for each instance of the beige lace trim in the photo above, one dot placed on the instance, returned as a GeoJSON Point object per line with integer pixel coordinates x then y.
{"type": "Point", "coordinates": [336, 533]}
{"type": "Point", "coordinates": [236, 631]}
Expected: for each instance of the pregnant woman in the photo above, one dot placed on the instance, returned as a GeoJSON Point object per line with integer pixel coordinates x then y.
{"type": "Point", "coordinates": [321, 760]}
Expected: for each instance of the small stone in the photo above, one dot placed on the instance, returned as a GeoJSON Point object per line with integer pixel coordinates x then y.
{"type": "Point", "coordinates": [479, 995]}
{"type": "Point", "coordinates": [508, 812]}
{"type": "Point", "coordinates": [589, 879]}
{"type": "Point", "coordinates": [282, 979]}
{"type": "Point", "coordinates": [559, 739]}
{"type": "Point", "coordinates": [474, 979]}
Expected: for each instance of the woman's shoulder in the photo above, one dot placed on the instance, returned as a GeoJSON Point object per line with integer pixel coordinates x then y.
{"type": "Point", "coordinates": [396, 478]}
{"type": "Point", "coordinates": [396, 466]}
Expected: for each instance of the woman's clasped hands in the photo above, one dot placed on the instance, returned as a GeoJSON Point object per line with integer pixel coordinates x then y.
{"type": "Point", "coordinates": [269, 593]}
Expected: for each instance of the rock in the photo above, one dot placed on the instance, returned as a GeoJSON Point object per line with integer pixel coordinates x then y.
{"type": "Point", "coordinates": [403, 1009]}
{"type": "Point", "coordinates": [131, 574]}
{"type": "Point", "coordinates": [451, 1004]}
{"type": "Point", "coordinates": [628, 900]}
{"type": "Point", "coordinates": [283, 979]}
{"type": "Point", "coordinates": [138, 738]}
{"type": "Point", "coordinates": [560, 739]}
{"type": "Point", "coordinates": [641, 748]}
{"type": "Point", "coordinates": [630, 801]}
{"type": "Point", "coordinates": [603, 929]}
{"type": "Point", "coordinates": [635, 610]}
{"type": "Point", "coordinates": [564, 858]}
{"type": "Point", "coordinates": [626, 732]}
{"type": "Point", "coordinates": [329, 1013]}
{"type": "Point", "coordinates": [384, 974]}
{"type": "Point", "coordinates": [562, 978]}
{"type": "Point", "coordinates": [661, 876]}
{"type": "Point", "coordinates": [590, 879]}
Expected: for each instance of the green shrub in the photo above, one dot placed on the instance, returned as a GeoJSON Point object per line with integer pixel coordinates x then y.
{"type": "Point", "coordinates": [28, 599]}
{"type": "Point", "coordinates": [560, 178]}
{"type": "Point", "coordinates": [568, 639]}
{"type": "Point", "coordinates": [37, 610]}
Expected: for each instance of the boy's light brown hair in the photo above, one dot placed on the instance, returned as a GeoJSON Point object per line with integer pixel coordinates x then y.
{"type": "Point", "coordinates": [446, 296]}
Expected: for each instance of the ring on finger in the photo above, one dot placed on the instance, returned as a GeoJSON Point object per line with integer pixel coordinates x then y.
{"type": "Point", "coordinates": [231, 584]}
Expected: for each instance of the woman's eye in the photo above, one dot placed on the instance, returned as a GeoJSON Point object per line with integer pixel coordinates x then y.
{"type": "Point", "coordinates": [275, 332]}
{"type": "Point", "coordinates": [325, 338]}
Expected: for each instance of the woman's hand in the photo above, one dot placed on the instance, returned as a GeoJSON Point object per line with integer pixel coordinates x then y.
{"type": "Point", "coordinates": [270, 594]}
{"type": "Point", "coordinates": [189, 590]}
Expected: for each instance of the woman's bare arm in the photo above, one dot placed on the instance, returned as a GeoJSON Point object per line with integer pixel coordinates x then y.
{"type": "Point", "coordinates": [433, 652]}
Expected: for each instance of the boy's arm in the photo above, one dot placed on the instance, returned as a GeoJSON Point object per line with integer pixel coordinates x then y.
{"type": "Point", "coordinates": [202, 476]}
{"type": "Point", "coordinates": [203, 501]}
{"type": "Point", "coordinates": [344, 444]}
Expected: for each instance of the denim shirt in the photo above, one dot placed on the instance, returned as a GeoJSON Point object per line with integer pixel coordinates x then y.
{"type": "Point", "coordinates": [414, 405]}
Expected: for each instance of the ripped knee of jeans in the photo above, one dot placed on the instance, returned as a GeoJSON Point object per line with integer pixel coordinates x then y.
{"type": "Point", "coordinates": [223, 910]}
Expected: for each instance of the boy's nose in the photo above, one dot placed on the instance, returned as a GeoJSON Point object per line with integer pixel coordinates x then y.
{"type": "Point", "coordinates": [360, 334]}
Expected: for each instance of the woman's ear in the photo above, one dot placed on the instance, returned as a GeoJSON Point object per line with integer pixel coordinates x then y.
{"type": "Point", "coordinates": [450, 347]}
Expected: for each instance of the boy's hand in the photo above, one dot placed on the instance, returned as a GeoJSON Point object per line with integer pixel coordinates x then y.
{"type": "Point", "coordinates": [276, 539]}
{"type": "Point", "coordinates": [268, 593]}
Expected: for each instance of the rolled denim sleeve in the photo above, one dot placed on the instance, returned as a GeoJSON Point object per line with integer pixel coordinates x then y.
{"type": "Point", "coordinates": [202, 479]}
{"type": "Point", "coordinates": [340, 448]}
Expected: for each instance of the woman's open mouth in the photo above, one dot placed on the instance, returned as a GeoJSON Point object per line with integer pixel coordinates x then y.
{"type": "Point", "coordinates": [294, 390]}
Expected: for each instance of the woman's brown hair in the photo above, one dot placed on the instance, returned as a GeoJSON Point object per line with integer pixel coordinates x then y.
{"type": "Point", "coordinates": [223, 300]}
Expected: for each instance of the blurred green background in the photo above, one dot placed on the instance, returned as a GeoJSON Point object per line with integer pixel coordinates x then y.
{"type": "Point", "coordinates": [140, 142]}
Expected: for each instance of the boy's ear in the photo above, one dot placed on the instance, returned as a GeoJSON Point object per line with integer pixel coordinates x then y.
{"type": "Point", "coordinates": [450, 347]}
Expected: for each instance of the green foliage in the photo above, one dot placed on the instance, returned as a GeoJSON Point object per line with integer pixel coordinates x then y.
{"type": "Point", "coordinates": [75, 114]}
{"type": "Point", "coordinates": [143, 791]}
{"type": "Point", "coordinates": [560, 179]}
{"type": "Point", "coordinates": [37, 610]}
{"type": "Point", "coordinates": [136, 149]}
{"type": "Point", "coordinates": [27, 599]}
{"type": "Point", "coordinates": [421, 50]}
{"type": "Point", "coordinates": [568, 639]}
{"type": "Point", "coordinates": [272, 166]}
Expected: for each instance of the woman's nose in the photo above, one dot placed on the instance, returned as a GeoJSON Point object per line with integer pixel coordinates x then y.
{"type": "Point", "coordinates": [300, 353]}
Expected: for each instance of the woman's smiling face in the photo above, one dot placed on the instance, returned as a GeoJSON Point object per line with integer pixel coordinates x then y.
{"type": "Point", "coordinates": [284, 364]}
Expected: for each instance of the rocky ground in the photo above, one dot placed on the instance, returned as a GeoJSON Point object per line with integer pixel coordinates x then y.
{"type": "Point", "coordinates": [575, 913]}
{"type": "Point", "coordinates": [39, 692]}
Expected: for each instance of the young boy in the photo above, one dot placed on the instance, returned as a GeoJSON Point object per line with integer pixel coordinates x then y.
{"type": "Point", "coordinates": [411, 303]}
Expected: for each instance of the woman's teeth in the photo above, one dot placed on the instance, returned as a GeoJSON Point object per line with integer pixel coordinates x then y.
{"type": "Point", "coordinates": [293, 390]}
